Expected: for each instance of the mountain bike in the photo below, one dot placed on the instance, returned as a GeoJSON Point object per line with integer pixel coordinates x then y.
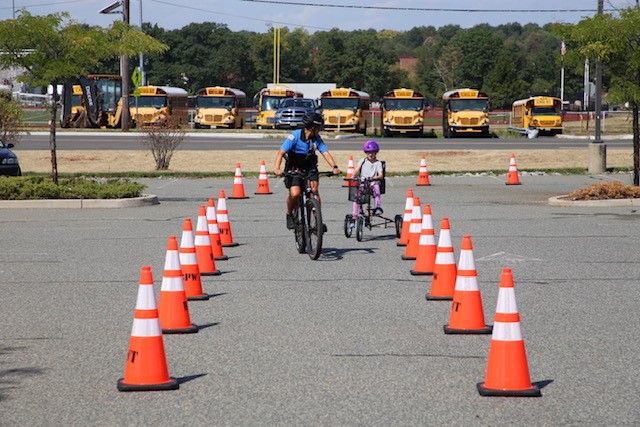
{"type": "Point", "coordinates": [308, 226]}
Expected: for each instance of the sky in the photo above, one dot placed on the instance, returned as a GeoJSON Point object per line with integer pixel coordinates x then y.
{"type": "Point", "coordinates": [318, 15]}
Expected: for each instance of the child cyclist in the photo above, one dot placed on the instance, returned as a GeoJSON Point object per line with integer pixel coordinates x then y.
{"type": "Point", "coordinates": [370, 167]}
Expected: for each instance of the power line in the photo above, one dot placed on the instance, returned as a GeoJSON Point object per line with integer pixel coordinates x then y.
{"type": "Point", "coordinates": [420, 9]}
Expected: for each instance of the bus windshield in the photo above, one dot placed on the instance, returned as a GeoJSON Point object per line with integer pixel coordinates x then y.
{"type": "Point", "coordinates": [270, 103]}
{"type": "Point", "coordinates": [403, 104]}
{"type": "Point", "coordinates": [340, 104]}
{"type": "Point", "coordinates": [468, 104]}
{"type": "Point", "coordinates": [544, 111]}
{"type": "Point", "coordinates": [215, 102]}
{"type": "Point", "coordinates": [148, 101]}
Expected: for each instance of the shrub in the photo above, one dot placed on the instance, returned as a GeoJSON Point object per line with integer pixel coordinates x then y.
{"type": "Point", "coordinates": [606, 190]}
{"type": "Point", "coordinates": [33, 188]}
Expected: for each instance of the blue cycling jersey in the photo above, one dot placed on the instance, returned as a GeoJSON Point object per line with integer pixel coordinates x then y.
{"type": "Point", "coordinates": [295, 143]}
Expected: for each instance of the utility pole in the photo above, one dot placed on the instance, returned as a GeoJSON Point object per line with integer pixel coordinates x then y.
{"type": "Point", "coordinates": [597, 149]}
{"type": "Point", "coordinates": [124, 73]}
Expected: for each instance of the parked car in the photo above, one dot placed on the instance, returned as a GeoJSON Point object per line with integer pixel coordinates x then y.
{"type": "Point", "coordinates": [8, 161]}
{"type": "Point", "coordinates": [291, 110]}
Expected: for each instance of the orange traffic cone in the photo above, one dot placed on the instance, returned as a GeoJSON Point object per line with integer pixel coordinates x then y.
{"type": "Point", "coordinates": [226, 236]}
{"type": "Point", "coordinates": [214, 231]}
{"type": "Point", "coordinates": [206, 263]}
{"type": "Point", "coordinates": [263, 180]}
{"type": "Point", "coordinates": [507, 368]}
{"type": "Point", "coordinates": [350, 174]}
{"type": "Point", "coordinates": [173, 308]}
{"type": "Point", "coordinates": [238, 186]}
{"type": "Point", "coordinates": [467, 315]}
{"type": "Point", "coordinates": [423, 175]}
{"type": "Point", "coordinates": [445, 271]}
{"type": "Point", "coordinates": [146, 366]}
{"type": "Point", "coordinates": [189, 264]}
{"type": "Point", "coordinates": [406, 219]}
{"type": "Point", "coordinates": [411, 250]}
{"type": "Point", "coordinates": [426, 256]}
{"type": "Point", "coordinates": [512, 176]}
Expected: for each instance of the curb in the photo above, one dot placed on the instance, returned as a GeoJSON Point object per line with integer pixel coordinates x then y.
{"type": "Point", "coordinates": [133, 202]}
{"type": "Point", "coordinates": [561, 201]}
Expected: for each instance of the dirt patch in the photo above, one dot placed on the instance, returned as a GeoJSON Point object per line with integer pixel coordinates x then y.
{"type": "Point", "coordinates": [406, 161]}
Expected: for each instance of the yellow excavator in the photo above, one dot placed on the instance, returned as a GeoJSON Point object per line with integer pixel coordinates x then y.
{"type": "Point", "coordinates": [93, 101]}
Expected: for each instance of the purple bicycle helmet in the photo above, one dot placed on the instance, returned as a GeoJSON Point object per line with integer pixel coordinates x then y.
{"type": "Point", "coordinates": [370, 146]}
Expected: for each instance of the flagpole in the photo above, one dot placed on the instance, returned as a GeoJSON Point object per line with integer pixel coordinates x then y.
{"type": "Point", "coordinates": [563, 50]}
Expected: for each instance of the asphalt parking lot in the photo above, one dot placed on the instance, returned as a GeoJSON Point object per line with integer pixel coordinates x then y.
{"type": "Point", "coordinates": [348, 339]}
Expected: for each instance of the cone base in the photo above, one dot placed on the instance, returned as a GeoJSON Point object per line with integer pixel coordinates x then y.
{"type": "Point", "coordinates": [211, 273]}
{"type": "Point", "coordinates": [172, 384]}
{"type": "Point", "coordinates": [438, 297]}
{"type": "Point", "coordinates": [401, 244]}
{"type": "Point", "coordinates": [242, 197]}
{"type": "Point", "coordinates": [201, 297]}
{"type": "Point", "coordinates": [422, 185]}
{"type": "Point", "coordinates": [534, 391]}
{"type": "Point", "coordinates": [190, 330]}
{"type": "Point", "coordinates": [421, 273]}
{"type": "Point", "coordinates": [451, 331]}
{"type": "Point", "coordinates": [263, 193]}
{"type": "Point", "coordinates": [228, 245]}
{"type": "Point", "coordinates": [221, 258]}
{"type": "Point", "coordinates": [513, 183]}
{"type": "Point", "coordinates": [408, 258]}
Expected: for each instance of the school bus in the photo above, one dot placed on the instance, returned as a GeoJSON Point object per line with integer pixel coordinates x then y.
{"type": "Point", "coordinates": [543, 113]}
{"type": "Point", "coordinates": [465, 112]}
{"type": "Point", "coordinates": [345, 109]}
{"type": "Point", "coordinates": [158, 104]}
{"type": "Point", "coordinates": [95, 102]}
{"type": "Point", "coordinates": [267, 101]}
{"type": "Point", "coordinates": [403, 112]}
{"type": "Point", "coordinates": [220, 107]}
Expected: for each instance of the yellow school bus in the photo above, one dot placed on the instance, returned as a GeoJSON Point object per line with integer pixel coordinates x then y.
{"type": "Point", "coordinates": [344, 110]}
{"type": "Point", "coordinates": [267, 101]}
{"type": "Point", "coordinates": [543, 113]}
{"type": "Point", "coordinates": [220, 107]}
{"type": "Point", "coordinates": [158, 104]}
{"type": "Point", "coordinates": [465, 112]}
{"type": "Point", "coordinates": [403, 112]}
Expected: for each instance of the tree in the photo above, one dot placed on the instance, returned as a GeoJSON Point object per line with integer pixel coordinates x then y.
{"type": "Point", "coordinates": [53, 49]}
{"type": "Point", "coordinates": [615, 41]}
{"type": "Point", "coordinates": [163, 140]}
{"type": "Point", "coordinates": [10, 119]}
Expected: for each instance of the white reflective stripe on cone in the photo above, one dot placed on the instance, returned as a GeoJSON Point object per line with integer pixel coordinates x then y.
{"type": "Point", "coordinates": [173, 284]}
{"type": "Point", "coordinates": [146, 298]}
{"type": "Point", "coordinates": [188, 258]}
{"type": "Point", "coordinates": [507, 301]}
{"type": "Point", "coordinates": [466, 260]}
{"type": "Point", "coordinates": [466, 283]}
{"type": "Point", "coordinates": [506, 331]}
{"type": "Point", "coordinates": [187, 239]}
{"type": "Point", "coordinates": [172, 261]}
{"type": "Point", "coordinates": [146, 328]}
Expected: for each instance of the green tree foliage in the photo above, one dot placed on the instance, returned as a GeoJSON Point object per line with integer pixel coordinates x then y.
{"type": "Point", "coordinates": [615, 41]}
{"type": "Point", "coordinates": [53, 48]}
{"type": "Point", "coordinates": [10, 119]}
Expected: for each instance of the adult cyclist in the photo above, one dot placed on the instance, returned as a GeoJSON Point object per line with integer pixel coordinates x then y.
{"type": "Point", "coordinates": [300, 151]}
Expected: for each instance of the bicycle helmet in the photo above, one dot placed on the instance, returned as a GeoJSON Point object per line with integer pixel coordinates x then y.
{"type": "Point", "coordinates": [370, 146]}
{"type": "Point", "coordinates": [311, 120]}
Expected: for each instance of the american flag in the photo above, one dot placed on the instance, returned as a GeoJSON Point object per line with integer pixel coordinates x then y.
{"type": "Point", "coordinates": [563, 49]}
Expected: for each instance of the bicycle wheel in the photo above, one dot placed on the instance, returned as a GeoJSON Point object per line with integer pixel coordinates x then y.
{"type": "Point", "coordinates": [348, 230]}
{"type": "Point", "coordinates": [398, 221]}
{"type": "Point", "coordinates": [359, 228]}
{"type": "Point", "coordinates": [298, 231]}
{"type": "Point", "coordinates": [314, 229]}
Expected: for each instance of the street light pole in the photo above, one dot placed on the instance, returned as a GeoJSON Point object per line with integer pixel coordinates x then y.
{"type": "Point", "coordinates": [124, 73]}
{"type": "Point", "coordinates": [597, 149]}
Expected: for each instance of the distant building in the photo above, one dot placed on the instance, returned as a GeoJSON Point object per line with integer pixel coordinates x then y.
{"type": "Point", "coordinates": [408, 63]}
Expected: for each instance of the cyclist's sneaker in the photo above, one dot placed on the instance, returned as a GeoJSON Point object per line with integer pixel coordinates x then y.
{"type": "Point", "coordinates": [378, 211]}
{"type": "Point", "coordinates": [352, 223]}
{"type": "Point", "coordinates": [324, 228]}
{"type": "Point", "coordinates": [290, 222]}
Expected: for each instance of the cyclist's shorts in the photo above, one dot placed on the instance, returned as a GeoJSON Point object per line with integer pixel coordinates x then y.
{"type": "Point", "coordinates": [291, 181]}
